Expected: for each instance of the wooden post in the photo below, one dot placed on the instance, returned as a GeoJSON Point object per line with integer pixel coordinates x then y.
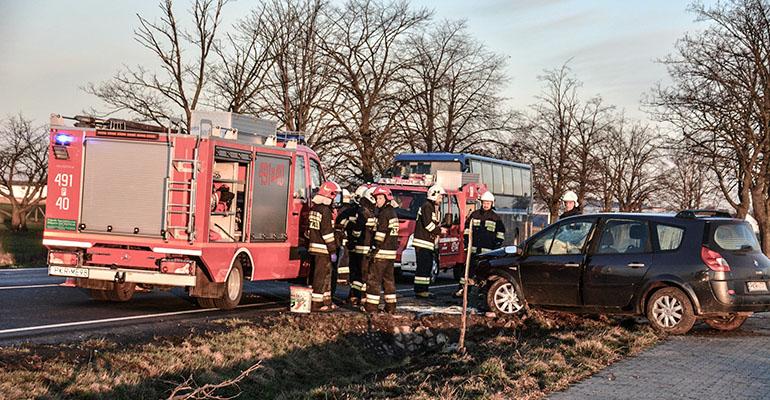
{"type": "Point", "coordinates": [464, 318]}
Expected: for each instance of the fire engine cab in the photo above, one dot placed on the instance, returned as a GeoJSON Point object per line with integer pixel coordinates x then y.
{"type": "Point", "coordinates": [461, 200]}
{"type": "Point", "coordinates": [134, 206]}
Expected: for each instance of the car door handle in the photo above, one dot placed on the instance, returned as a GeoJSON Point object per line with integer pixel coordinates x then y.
{"type": "Point", "coordinates": [572, 265]}
{"type": "Point", "coordinates": [636, 265]}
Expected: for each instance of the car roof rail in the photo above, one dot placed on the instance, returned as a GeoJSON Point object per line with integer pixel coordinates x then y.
{"type": "Point", "coordinates": [703, 214]}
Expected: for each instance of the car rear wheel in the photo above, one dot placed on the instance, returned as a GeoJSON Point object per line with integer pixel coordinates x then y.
{"type": "Point", "coordinates": [503, 298]}
{"type": "Point", "coordinates": [670, 311]}
{"type": "Point", "coordinates": [728, 323]}
{"type": "Point", "coordinates": [233, 288]}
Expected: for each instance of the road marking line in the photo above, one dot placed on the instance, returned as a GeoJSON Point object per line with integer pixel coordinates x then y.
{"type": "Point", "coordinates": [28, 286]}
{"type": "Point", "coordinates": [119, 319]}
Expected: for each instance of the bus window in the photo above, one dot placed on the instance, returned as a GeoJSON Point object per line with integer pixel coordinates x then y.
{"type": "Point", "coordinates": [487, 177]}
{"type": "Point", "coordinates": [517, 186]}
{"type": "Point", "coordinates": [498, 186]}
{"type": "Point", "coordinates": [508, 180]}
{"type": "Point", "coordinates": [476, 167]}
{"type": "Point", "coordinates": [526, 181]}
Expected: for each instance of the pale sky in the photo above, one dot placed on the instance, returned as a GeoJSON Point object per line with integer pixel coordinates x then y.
{"type": "Point", "coordinates": [49, 49]}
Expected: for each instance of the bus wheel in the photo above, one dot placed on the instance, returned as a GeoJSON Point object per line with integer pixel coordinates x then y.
{"type": "Point", "coordinates": [233, 288]}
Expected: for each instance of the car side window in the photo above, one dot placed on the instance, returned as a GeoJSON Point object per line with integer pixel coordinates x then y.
{"type": "Point", "coordinates": [570, 238]}
{"type": "Point", "coordinates": [623, 237]}
{"type": "Point", "coordinates": [541, 245]}
{"type": "Point", "coordinates": [669, 237]}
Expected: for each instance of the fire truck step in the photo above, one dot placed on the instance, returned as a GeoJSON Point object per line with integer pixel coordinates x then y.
{"type": "Point", "coordinates": [181, 160]}
{"type": "Point", "coordinates": [180, 182]}
{"type": "Point", "coordinates": [178, 205]}
{"type": "Point", "coordinates": [177, 212]}
{"type": "Point", "coordinates": [175, 227]}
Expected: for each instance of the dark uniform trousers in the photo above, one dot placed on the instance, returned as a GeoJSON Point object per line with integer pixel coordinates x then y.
{"type": "Point", "coordinates": [424, 258]}
{"type": "Point", "coordinates": [322, 277]}
{"type": "Point", "coordinates": [380, 277]}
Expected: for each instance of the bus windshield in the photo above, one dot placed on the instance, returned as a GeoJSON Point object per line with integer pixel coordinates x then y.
{"type": "Point", "coordinates": [408, 203]}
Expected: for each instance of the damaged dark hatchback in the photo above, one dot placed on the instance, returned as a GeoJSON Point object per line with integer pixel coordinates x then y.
{"type": "Point", "coordinates": [673, 269]}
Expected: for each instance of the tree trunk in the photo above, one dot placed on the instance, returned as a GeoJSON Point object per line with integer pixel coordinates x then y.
{"type": "Point", "coordinates": [19, 219]}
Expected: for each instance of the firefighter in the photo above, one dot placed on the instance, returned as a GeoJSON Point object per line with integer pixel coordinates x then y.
{"type": "Point", "coordinates": [363, 234]}
{"type": "Point", "coordinates": [488, 233]}
{"type": "Point", "coordinates": [323, 245]}
{"type": "Point", "coordinates": [342, 227]}
{"type": "Point", "coordinates": [426, 231]}
{"type": "Point", "coordinates": [571, 206]}
{"type": "Point", "coordinates": [385, 246]}
{"type": "Point", "coordinates": [356, 225]}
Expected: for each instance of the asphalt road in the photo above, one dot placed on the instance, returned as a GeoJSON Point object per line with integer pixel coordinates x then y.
{"type": "Point", "coordinates": [34, 308]}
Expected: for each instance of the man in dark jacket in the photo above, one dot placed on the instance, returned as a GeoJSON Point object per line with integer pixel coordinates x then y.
{"type": "Point", "coordinates": [323, 246]}
{"type": "Point", "coordinates": [488, 233]}
{"type": "Point", "coordinates": [385, 247]}
{"type": "Point", "coordinates": [571, 206]}
{"type": "Point", "coordinates": [361, 236]}
{"type": "Point", "coordinates": [426, 231]}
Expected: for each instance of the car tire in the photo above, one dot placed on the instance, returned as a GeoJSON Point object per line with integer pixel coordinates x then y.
{"type": "Point", "coordinates": [233, 288]}
{"type": "Point", "coordinates": [729, 323]}
{"type": "Point", "coordinates": [669, 310]}
{"type": "Point", "coordinates": [504, 299]}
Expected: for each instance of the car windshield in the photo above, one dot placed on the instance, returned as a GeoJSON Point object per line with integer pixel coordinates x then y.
{"type": "Point", "coordinates": [736, 237]}
{"type": "Point", "coordinates": [408, 203]}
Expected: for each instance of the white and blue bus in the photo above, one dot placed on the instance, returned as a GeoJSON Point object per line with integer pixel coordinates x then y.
{"type": "Point", "coordinates": [510, 182]}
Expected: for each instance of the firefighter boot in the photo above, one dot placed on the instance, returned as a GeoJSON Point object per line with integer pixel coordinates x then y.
{"type": "Point", "coordinates": [390, 303]}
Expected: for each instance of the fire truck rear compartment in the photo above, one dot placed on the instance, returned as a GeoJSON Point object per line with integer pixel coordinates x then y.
{"type": "Point", "coordinates": [123, 187]}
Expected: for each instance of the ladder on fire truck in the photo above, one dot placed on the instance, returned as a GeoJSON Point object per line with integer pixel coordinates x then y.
{"type": "Point", "coordinates": [186, 186]}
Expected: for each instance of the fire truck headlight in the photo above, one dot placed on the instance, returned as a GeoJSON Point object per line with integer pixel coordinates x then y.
{"type": "Point", "coordinates": [63, 139]}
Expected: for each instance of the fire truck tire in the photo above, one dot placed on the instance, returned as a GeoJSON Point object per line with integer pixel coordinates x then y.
{"type": "Point", "coordinates": [204, 302]}
{"type": "Point", "coordinates": [233, 288]}
{"type": "Point", "coordinates": [122, 292]}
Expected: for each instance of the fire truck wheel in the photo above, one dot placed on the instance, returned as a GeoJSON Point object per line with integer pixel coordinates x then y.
{"type": "Point", "coordinates": [233, 288]}
{"type": "Point", "coordinates": [122, 292]}
{"type": "Point", "coordinates": [205, 302]}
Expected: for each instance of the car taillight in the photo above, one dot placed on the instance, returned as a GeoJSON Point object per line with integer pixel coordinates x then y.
{"type": "Point", "coordinates": [177, 266]}
{"type": "Point", "coordinates": [714, 260]}
{"type": "Point", "coordinates": [62, 258]}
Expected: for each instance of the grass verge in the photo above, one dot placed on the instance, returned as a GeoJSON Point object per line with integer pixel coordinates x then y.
{"type": "Point", "coordinates": [22, 249]}
{"type": "Point", "coordinates": [328, 356]}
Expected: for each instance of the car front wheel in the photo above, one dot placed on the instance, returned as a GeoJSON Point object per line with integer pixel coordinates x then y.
{"type": "Point", "coordinates": [728, 323]}
{"type": "Point", "coordinates": [503, 298]}
{"type": "Point", "coordinates": [670, 311]}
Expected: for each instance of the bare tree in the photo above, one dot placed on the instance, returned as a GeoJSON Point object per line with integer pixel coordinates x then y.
{"type": "Point", "coordinates": [688, 183]}
{"type": "Point", "coordinates": [718, 100]}
{"type": "Point", "coordinates": [179, 84]}
{"type": "Point", "coordinates": [365, 63]}
{"type": "Point", "coordinates": [592, 124]}
{"type": "Point", "coordinates": [455, 84]}
{"type": "Point", "coordinates": [547, 137]}
{"type": "Point", "coordinates": [23, 167]}
{"type": "Point", "coordinates": [633, 165]}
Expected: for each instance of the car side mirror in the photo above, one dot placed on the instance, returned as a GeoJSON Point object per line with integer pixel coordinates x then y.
{"type": "Point", "coordinates": [513, 250]}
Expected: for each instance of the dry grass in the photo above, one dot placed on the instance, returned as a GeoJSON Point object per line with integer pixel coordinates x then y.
{"type": "Point", "coordinates": [327, 356]}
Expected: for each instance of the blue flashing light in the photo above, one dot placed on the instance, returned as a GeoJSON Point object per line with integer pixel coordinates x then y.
{"type": "Point", "coordinates": [63, 139]}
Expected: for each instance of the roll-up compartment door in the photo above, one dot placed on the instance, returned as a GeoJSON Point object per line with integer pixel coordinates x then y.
{"type": "Point", "coordinates": [123, 186]}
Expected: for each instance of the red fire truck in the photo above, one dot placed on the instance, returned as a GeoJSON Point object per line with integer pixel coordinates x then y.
{"type": "Point", "coordinates": [136, 206]}
{"type": "Point", "coordinates": [410, 193]}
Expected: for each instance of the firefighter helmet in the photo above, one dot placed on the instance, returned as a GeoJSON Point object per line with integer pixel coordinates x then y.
{"type": "Point", "coordinates": [329, 190]}
{"type": "Point", "coordinates": [488, 196]}
{"type": "Point", "coordinates": [359, 193]}
{"type": "Point", "coordinates": [435, 191]}
{"type": "Point", "coordinates": [381, 190]}
{"type": "Point", "coordinates": [369, 196]}
{"type": "Point", "coordinates": [569, 196]}
{"type": "Point", "coordinates": [346, 196]}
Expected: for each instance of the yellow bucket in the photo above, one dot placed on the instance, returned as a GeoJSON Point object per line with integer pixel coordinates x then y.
{"type": "Point", "coordinates": [300, 299]}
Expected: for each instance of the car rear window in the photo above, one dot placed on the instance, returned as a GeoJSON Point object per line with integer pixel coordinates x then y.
{"type": "Point", "coordinates": [735, 237]}
{"type": "Point", "coordinates": [669, 237]}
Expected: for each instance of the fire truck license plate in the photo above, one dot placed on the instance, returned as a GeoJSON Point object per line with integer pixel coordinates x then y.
{"type": "Point", "coordinates": [68, 271]}
{"type": "Point", "coordinates": [757, 286]}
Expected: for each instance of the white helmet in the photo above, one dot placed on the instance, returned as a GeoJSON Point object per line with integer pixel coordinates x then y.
{"type": "Point", "coordinates": [435, 191]}
{"type": "Point", "coordinates": [359, 193]}
{"type": "Point", "coordinates": [345, 196]}
{"type": "Point", "coordinates": [569, 196]}
{"type": "Point", "coordinates": [488, 196]}
{"type": "Point", "coordinates": [369, 196]}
